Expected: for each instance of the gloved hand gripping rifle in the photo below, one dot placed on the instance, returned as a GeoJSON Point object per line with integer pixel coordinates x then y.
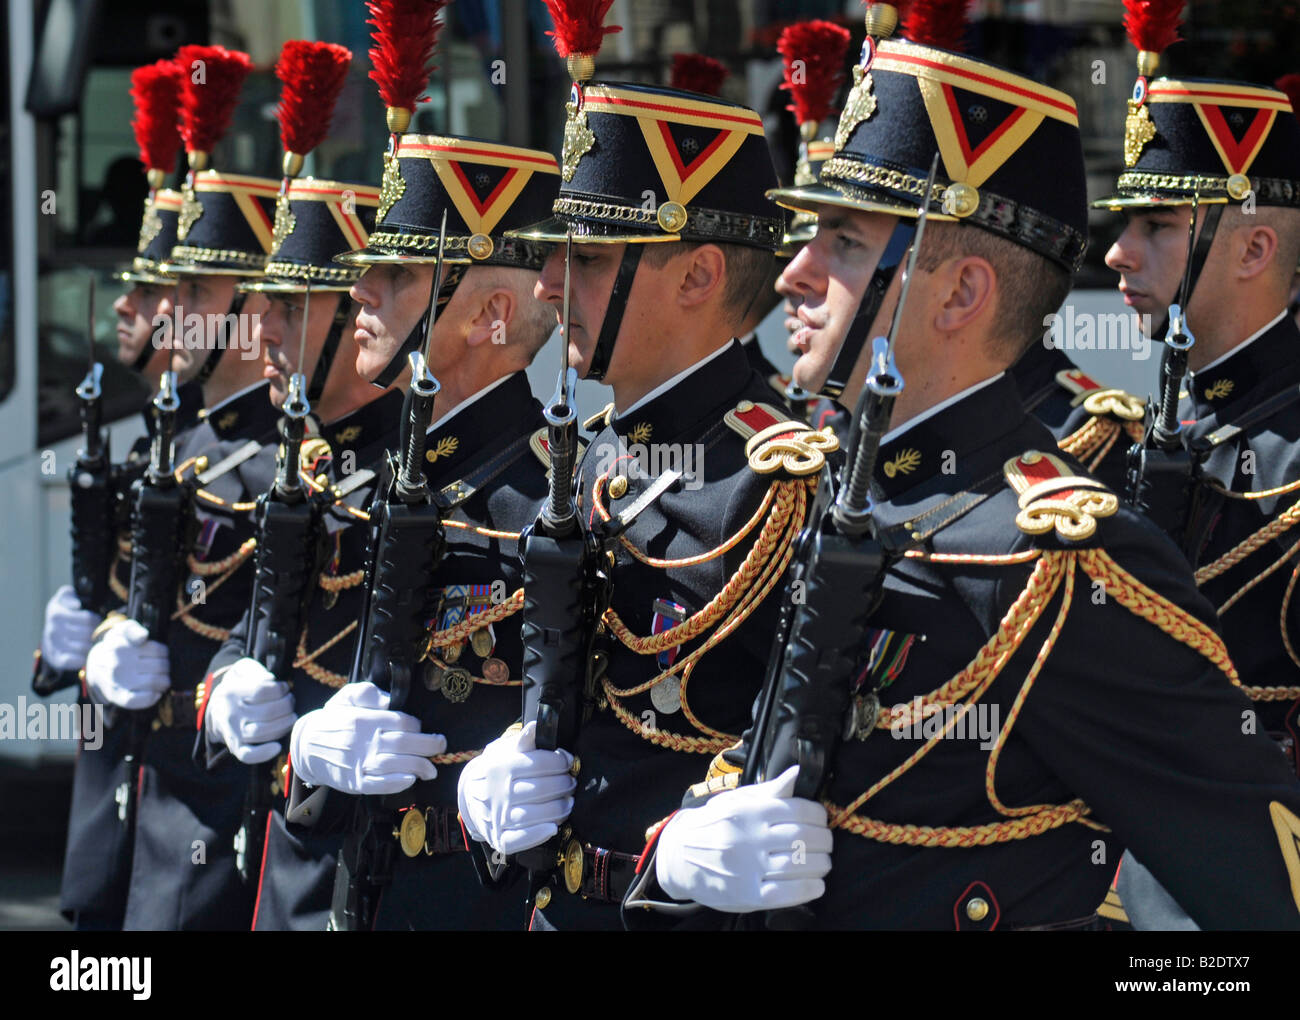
{"type": "Point", "coordinates": [839, 565]}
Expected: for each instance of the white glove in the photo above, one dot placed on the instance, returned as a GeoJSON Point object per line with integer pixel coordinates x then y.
{"type": "Point", "coordinates": [753, 848]}
{"type": "Point", "coordinates": [513, 796]}
{"type": "Point", "coordinates": [126, 669]}
{"type": "Point", "coordinates": [65, 642]}
{"type": "Point", "coordinates": [249, 711]}
{"type": "Point", "coordinates": [356, 744]}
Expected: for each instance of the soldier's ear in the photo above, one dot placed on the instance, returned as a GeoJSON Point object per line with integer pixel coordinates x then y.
{"type": "Point", "coordinates": [1254, 251]}
{"type": "Point", "coordinates": [967, 291]}
{"type": "Point", "coordinates": [703, 276]}
{"type": "Point", "coordinates": [496, 310]}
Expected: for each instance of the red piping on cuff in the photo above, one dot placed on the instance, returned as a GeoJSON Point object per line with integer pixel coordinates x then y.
{"type": "Point", "coordinates": [201, 709]}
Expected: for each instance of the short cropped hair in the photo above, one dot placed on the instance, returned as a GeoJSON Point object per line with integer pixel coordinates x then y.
{"type": "Point", "coordinates": [1031, 287]}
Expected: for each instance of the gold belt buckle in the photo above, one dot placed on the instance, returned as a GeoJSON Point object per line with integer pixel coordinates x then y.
{"type": "Point", "coordinates": [572, 862]}
{"type": "Point", "coordinates": [410, 835]}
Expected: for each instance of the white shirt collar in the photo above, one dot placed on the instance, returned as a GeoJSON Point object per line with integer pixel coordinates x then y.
{"type": "Point", "coordinates": [235, 396]}
{"type": "Point", "coordinates": [443, 419]}
{"type": "Point", "coordinates": [930, 412]}
{"type": "Point", "coordinates": [1241, 346]}
{"type": "Point", "coordinates": [666, 386]}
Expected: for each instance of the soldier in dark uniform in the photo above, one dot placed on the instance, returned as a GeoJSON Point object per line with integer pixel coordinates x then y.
{"type": "Point", "coordinates": [183, 872]}
{"type": "Point", "coordinates": [1041, 685]}
{"type": "Point", "coordinates": [246, 710]}
{"type": "Point", "coordinates": [97, 859]}
{"type": "Point", "coordinates": [1241, 411]}
{"type": "Point", "coordinates": [655, 297]}
{"type": "Point", "coordinates": [1228, 154]}
{"type": "Point", "coordinates": [486, 461]}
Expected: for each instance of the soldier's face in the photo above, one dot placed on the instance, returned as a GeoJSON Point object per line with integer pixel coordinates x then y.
{"type": "Point", "coordinates": [280, 331]}
{"type": "Point", "coordinates": [136, 311]}
{"type": "Point", "coordinates": [392, 298]}
{"type": "Point", "coordinates": [202, 296]}
{"type": "Point", "coordinates": [591, 278]}
{"type": "Point", "coordinates": [1149, 256]}
{"type": "Point", "coordinates": [825, 282]}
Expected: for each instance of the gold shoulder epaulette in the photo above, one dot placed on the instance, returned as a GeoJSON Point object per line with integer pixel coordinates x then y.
{"type": "Point", "coordinates": [1100, 401]}
{"type": "Point", "coordinates": [540, 444]}
{"type": "Point", "coordinates": [600, 418]}
{"type": "Point", "coordinates": [1053, 498]}
{"type": "Point", "coordinates": [774, 440]}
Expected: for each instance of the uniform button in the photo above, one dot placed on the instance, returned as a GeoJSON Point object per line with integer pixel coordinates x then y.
{"type": "Point", "coordinates": [576, 767]}
{"type": "Point", "coordinates": [618, 487]}
{"type": "Point", "coordinates": [977, 908]}
{"type": "Point", "coordinates": [543, 897]}
{"type": "Point", "coordinates": [200, 465]}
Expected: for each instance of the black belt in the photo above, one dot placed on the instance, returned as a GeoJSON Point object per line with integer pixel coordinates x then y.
{"type": "Point", "coordinates": [429, 831]}
{"type": "Point", "coordinates": [175, 710]}
{"type": "Point", "coordinates": [1090, 923]}
{"type": "Point", "coordinates": [595, 873]}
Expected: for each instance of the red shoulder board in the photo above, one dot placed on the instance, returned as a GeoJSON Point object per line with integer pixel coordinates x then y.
{"type": "Point", "coordinates": [1052, 497]}
{"type": "Point", "coordinates": [776, 441]}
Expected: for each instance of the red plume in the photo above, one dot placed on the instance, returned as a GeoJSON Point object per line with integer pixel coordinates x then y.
{"type": "Point", "coordinates": [694, 72]}
{"type": "Point", "coordinates": [940, 23]}
{"type": "Point", "coordinates": [1152, 25]}
{"type": "Point", "coordinates": [579, 25]}
{"type": "Point", "coordinates": [156, 89]}
{"type": "Point", "coordinates": [820, 45]}
{"type": "Point", "coordinates": [208, 103]}
{"type": "Point", "coordinates": [406, 37]}
{"type": "Point", "coordinates": [1290, 84]}
{"type": "Point", "coordinates": [312, 74]}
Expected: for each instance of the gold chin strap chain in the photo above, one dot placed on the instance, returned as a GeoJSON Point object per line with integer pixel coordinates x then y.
{"type": "Point", "coordinates": [783, 511]}
{"type": "Point", "coordinates": [1054, 572]}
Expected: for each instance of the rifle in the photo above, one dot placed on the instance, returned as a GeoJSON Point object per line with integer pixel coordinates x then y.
{"type": "Point", "coordinates": [407, 544]}
{"type": "Point", "coordinates": [91, 482]}
{"type": "Point", "coordinates": [1163, 452]}
{"type": "Point", "coordinates": [159, 518]}
{"type": "Point", "coordinates": [567, 589]}
{"type": "Point", "coordinates": [839, 565]}
{"type": "Point", "coordinates": [288, 530]}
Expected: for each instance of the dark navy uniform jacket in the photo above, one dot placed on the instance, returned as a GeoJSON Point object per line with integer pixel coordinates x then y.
{"type": "Point", "coordinates": [486, 465]}
{"type": "Point", "coordinates": [97, 857]}
{"type": "Point", "coordinates": [1101, 714]}
{"type": "Point", "coordinates": [1244, 415]}
{"type": "Point", "coordinates": [182, 873]}
{"type": "Point", "coordinates": [644, 744]}
{"type": "Point", "coordinates": [297, 873]}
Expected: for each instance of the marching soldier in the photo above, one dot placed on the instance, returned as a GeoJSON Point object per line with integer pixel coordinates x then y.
{"type": "Point", "coordinates": [1229, 505]}
{"type": "Point", "coordinates": [97, 859]}
{"type": "Point", "coordinates": [1040, 684]}
{"type": "Point", "coordinates": [649, 302]}
{"type": "Point", "coordinates": [183, 873]}
{"type": "Point", "coordinates": [1223, 156]}
{"type": "Point", "coordinates": [404, 863]}
{"type": "Point", "coordinates": [260, 677]}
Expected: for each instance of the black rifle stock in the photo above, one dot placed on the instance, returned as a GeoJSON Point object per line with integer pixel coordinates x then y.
{"type": "Point", "coordinates": [92, 490]}
{"type": "Point", "coordinates": [288, 530]}
{"type": "Point", "coordinates": [159, 521]}
{"type": "Point", "coordinates": [407, 544]}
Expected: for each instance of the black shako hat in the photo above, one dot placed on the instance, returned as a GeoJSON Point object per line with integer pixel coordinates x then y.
{"type": "Point", "coordinates": [157, 237]}
{"type": "Point", "coordinates": [1207, 139]}
{"type": "Point", "coordinates": [644, 163]}
{"type": "Point", "coordinates": [319, 221]}
{"type": "Point", "coordinates": [486, 190]}
{"type": "Point", "coordinates": [1011, 159]}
